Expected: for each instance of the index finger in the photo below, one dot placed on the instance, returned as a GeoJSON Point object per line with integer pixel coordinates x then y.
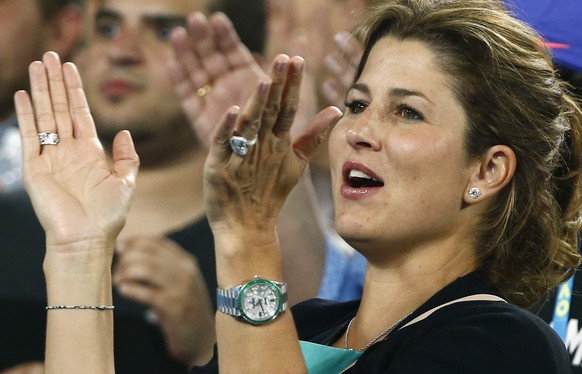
{"type": "Point", "coordinates": [27, 125]}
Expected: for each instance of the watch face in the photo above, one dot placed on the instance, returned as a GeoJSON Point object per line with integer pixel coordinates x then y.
{"type": "Point", "coordinates": [259, 301]}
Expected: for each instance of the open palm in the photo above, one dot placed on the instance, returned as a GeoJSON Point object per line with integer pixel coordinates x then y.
{"type": "Point", "coordinates": [214, 71]}
{"type": "Point", "coordinates": [77, 194]}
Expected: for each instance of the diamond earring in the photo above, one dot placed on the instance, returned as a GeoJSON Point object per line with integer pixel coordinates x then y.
{"type": "Point", "coordinates": [474, 192]}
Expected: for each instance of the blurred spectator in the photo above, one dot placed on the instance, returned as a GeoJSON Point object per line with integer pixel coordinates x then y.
{"type": "Point", "coordinates": [28, 28]}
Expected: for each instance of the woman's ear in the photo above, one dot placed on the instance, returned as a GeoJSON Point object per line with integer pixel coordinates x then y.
{"type": "Point", "coordinates": [493, 172]}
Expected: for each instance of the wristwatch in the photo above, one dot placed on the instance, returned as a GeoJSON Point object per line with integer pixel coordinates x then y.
{"type": "Point", "coordinates": [256, 302]}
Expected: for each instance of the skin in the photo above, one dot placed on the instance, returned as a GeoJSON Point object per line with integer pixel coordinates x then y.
{"type": "Point", "coordinates": [125, 68]}
{"type": "Point", "coordinates": [127, 73]}
{"type": "Point", "coordinates": [88, 185]}
{"type": "Point", "coordinates": [127, 65]}
{"type": "Point", "coordinates": [415, 233]}
{"type": "Point", "coordinates": [24, 36]}
{"type": "Point", "coordinates": [407, 141]}
{"type": "Point", "coordinates": [307, 29]}
{"type": "Point", "coordinates": [89, 199]}
{"type": "Point", "coordinates": [20, 18]}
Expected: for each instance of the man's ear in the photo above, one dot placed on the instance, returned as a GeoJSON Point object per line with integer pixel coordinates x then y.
{"type": "Point", "coordinates": [66, 31]}
{"type": "Point", "coordinates": [494, 171]}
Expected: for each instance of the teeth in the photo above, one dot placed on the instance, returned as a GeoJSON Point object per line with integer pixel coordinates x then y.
{"type": "Point", "coordinates": [360, 174]}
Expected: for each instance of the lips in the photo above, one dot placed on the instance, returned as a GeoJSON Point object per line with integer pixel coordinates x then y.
{"type": "Point", "coordinates": [359, 181]}
{"type": "Point", "coordinates": [119, 87]}
{"type": "Point", "coordinates": [357, 175]}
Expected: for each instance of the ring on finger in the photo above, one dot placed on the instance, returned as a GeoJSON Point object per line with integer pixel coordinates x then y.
{"type": "Point", "coordinates": [204, 90]}
{"type": "Point", "coordinates": [48, 138]}
{"type": "Point", "coordinates": [240, 145]}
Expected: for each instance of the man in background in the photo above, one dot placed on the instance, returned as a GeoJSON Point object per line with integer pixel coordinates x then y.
{"type": "Point", "coordinates": [164, 268]}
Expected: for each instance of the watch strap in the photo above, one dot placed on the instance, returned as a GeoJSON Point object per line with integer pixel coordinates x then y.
{"type": "Point", "coordinates": [227, 299]}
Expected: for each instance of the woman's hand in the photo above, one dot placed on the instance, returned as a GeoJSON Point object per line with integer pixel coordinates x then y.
{"type": "Point", "coordinates": [246, 193]}
{"type": "Point", "coordinates": [77, 195]}
{"type": "Point", "coordinates": [81, 201]}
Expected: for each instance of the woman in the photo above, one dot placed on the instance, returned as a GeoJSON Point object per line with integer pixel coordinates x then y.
{"type": "Point", "coordinates": [455, 172]}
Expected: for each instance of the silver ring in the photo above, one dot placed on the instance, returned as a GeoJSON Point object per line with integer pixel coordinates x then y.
{"type": "Point", "coordinates": [48, 138]}
{"type": "Point", "coordinates": [240, 145]}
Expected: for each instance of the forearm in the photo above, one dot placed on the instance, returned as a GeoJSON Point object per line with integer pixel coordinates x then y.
{"type": "Point", "coordinates": [79, 340]}
{"type": "Point", "coordinates": [273, 343]}
{"type": "Point", "coordinates": [302, 239]}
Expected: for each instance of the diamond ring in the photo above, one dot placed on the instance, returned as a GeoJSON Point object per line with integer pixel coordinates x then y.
{"type": "Point", "coordinates": [240, 145]}
{"type": "Point", "coordinates": [48, 138]}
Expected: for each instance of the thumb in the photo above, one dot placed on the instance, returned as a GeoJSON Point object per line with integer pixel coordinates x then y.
{"type": "Point", "coordinates": [125, 158]}
{"type": "Point", "coordinates": [317, 131]}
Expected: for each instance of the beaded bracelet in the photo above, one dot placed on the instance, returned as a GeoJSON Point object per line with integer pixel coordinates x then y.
{"type": "Point", "coordinates": [91, 307]}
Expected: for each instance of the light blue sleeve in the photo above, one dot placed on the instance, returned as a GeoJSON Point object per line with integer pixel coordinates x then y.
{"type": "Point", "coordinates": [343, 273]}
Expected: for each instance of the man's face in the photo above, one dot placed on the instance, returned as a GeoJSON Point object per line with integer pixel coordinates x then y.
{"type": "Point", "coordinates": [125, 71]}
{"type": "Point", "coordinates": [22, 40]}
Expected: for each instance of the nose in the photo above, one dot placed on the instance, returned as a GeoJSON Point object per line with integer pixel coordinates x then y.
{"type": "Point", "coordinates": [126, 48]}
{"type": "Point", "coordinates": [360, 134]}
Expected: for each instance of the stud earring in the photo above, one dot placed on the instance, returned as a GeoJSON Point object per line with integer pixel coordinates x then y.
{"type": "Point", "coordinates": [474, 192]}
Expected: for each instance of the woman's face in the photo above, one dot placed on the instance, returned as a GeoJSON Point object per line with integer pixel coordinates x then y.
{"type": "Point", "coordinates": [398, 164]}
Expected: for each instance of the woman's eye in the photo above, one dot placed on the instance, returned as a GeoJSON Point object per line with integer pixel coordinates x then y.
{"type": "Point", "coordinates": [408, 113]}
{"type": "Point", "coordinates": [355, 107]}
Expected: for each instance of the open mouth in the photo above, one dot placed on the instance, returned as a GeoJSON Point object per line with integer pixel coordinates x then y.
{"type": "Point", "coordinates": [357, 179]}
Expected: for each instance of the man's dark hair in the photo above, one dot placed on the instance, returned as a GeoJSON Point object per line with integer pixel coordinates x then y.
{"type": "Point", "coordinates": [48, 8]}
{"type": "Point", "coordinates": [249, 18]}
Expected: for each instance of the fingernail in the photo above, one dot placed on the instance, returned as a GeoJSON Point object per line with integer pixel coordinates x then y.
{"type": "Point", "coordinates": [265, 87]}
{"type": "Point", "coordinates": [280, 66]}
{"type": "Point", "coordinates": [233, 113]}
{"type": "Point", "coordinates": [298, 67]}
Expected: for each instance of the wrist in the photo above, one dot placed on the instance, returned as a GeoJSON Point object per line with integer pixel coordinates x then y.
{"type": "Point", "coordinates": [77, 289]}
{"type": "Point", "coordinates": [239, 257]}
{"type": "Point", "coordinates": [79, 273]}
{"type": "Point", "coordinates": [84, 257]}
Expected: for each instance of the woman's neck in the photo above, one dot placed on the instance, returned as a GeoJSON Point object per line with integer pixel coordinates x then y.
{"type": "Point", "coordinates": [394, 289]}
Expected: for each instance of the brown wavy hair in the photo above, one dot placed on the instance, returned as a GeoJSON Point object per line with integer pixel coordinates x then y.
{"type": "Point", "coordinates": [505, 79]}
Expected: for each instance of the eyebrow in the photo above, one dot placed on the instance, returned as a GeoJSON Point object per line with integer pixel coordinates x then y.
{"type": "Point", "coordinates": [153, 19]}
{"type": "Point", "coordinates": [392, 92]}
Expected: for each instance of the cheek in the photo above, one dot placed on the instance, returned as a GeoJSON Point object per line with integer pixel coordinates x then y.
{"type": "Point", "coordinates": [429, 159]}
